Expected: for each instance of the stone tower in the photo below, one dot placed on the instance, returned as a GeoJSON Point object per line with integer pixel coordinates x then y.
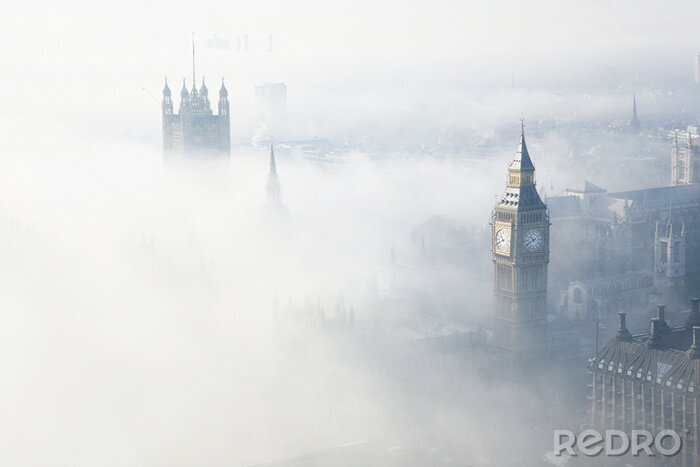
{"type": "Point", "coordinates": [520, 248]}
{"type": "Point", "coordinates": [195, 132]}
{"type": "Point", "coordinates": [686, 156]}
{"type": "Point", "coordinates": [669, 257]}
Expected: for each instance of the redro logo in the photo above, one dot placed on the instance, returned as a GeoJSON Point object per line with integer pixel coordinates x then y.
{"type": "Point", "coordinates": [617, 443]}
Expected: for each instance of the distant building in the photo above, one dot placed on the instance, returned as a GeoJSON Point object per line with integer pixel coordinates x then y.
{"type": "Point", "coordinates": [271, 101]}
{"type": "Point", "coordinates": [600, 234]}
{"type": "Point", "coordinates": [686, 156]}
{"type": "Point", "coordinates": [217, 42]}
{"type": "Point", "coordinates": [589, 299]}
{"type": "Point", "coordinates": [195, 131]}
{"type": "Point", "coordinates": [634, 122]}
{"type": "Point", "coordinates": [651, 381]}
{"type": "Point", "coordinates": [520, 249]}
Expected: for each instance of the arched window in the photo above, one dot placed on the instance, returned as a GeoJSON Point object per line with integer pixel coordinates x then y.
{"type": "Point", "coordinates": [577, 296]}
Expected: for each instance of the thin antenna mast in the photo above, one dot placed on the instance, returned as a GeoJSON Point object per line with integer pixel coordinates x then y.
{"type": "Point", "coordinates": [193, 74]}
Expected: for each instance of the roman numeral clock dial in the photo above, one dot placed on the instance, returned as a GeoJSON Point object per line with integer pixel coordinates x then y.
{"type": "Point", "coordinates": [503, 240]}
{"type": "Point", "coordinates": [533, 240]}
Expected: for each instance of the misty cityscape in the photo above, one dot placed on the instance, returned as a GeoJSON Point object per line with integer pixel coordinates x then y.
{"type": "Point", "coordinates": [365, 233]}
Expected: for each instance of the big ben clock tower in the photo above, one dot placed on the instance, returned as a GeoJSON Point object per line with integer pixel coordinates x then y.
{"type": "Point", "coordinates": [520, 246]}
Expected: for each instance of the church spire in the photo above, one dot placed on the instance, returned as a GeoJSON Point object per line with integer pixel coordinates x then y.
{"type": "Point", "coordinates": [273, 166]}
{"type": "Point", "coordinates": [634, 123]}
{"type": "Point", "coordinates": [273, 190]}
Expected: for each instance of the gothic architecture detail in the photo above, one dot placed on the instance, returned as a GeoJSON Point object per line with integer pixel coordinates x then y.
{"type": "Point", "coordinates": [520, 250]}
{"type": "Point", "coordinates": [650, 381]}
{"type": "Point", "coordinates": [195, 131]}
{"type": "Point", "coordinates": [686, 156]}
{"type": "Point", "coordinates": [669, 256]}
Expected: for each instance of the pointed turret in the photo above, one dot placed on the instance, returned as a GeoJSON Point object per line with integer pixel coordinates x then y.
{"type": "Point", "coordinates": [223, 101]}
{"type": "Point", "coordinates": [184, 94]}
{"type": "Point", "coordinates": [166, 89]}
{"type": "Point", "coordinates": [203, 90]}
{"type": "Point", "coordinates": [167, 104]}
{"type": "Point", "coordinates": [223, 92]}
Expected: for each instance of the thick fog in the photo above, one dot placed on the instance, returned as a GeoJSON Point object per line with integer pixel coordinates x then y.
{"type": "Point", "coordinates": [165, 316]}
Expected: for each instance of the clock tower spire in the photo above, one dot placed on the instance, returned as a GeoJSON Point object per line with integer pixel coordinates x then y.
{"type": "Point", "coordinates": [520, 251]}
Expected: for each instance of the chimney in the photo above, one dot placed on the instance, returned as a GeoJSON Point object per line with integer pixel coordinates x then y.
{"type": "Point", "coordinates": [654, 341]}
{"type": "Point", "coordinates": [694, 350]}
{"type": "Point", "coordinates": [662, 324]}
{"type": "Point", "coordinates": [694, 316]}
{"type": "Point", "coordinates": [622, 333]}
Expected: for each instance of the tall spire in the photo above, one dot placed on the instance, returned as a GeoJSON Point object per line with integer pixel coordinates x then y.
{"type": "Point", "coordinates": [634, 123]}
{"type": "Point", "coordinates": [274, 192]}
{"type": "Point", "coordinates": [273, 166]}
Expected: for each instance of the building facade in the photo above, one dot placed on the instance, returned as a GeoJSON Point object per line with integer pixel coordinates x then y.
{"type": "Point", "coordinates": [651, 381]}
{"type": "Point", "coordinates": [195, 132]}
{"type": "Point", "coordinates": [686, 156]}
{"type": "Point", "coordinates": [588, 300]}
{"type": "Point", "coordinates": [520, 253]}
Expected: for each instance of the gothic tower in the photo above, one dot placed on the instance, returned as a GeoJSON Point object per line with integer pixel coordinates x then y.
{"type": "Point", "coordinates": [195, 131]}
{"type": "Point", "coordinates": [520, 247]}
{"type": "Point", "coordinates": [167, 114]}
{"type": "Point", "coordinates": [669, 258]}
{"type": "Point", "coordinates": [224, 120]}
{"type": "Point", "coordinates": [686, 156]}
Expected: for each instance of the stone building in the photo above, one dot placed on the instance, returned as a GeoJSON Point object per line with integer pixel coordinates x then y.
{"type": "Point", "coordinates": [195, 132]}
{"type": "Point", "coordinates": [520, 250]}
{"type": "Point", "coordinates": [590, 298]}
{"type": "Point", "coordinates": [600, 234]}
{"type": "Point", "coordinates": [651, 381]}
{"type": "Point", "coordinates": [686, 156]}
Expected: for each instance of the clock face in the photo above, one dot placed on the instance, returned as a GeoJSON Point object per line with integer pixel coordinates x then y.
{"type": "Point", "coordinates": [503, 240]}
{"type": "Point", "coordinates": [533, 240]}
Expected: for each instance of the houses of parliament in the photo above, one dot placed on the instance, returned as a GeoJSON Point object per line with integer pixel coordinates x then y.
{"type": "Point", "coordinates": [195, 131]}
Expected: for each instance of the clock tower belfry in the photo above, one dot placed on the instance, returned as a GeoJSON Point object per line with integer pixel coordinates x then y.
{"type": "Point", "coordinates": [520, 247]}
